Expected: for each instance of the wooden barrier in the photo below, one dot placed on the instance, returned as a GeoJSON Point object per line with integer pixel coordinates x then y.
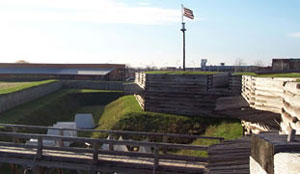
{"type": "Point", "coordinates": [291, 108]}
{"type": "Point", "coordinates": [264, 93]}
{"type": "Point", "coordinates": [95, 159]}
{"type": "Point", "coordinates": [184, 94]}
{"type": "Point", "coordinates": [235, 84]}
{"type": "Point", "coordinates": [278, 95]}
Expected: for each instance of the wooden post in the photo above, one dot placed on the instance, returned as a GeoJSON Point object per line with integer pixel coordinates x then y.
{"type": "Point", "coordinates": [156, 159]}
{"type": "Point", "coordinates": [291, 136]}
{"type": "Point", "coordinates": [60, 141]}
{"type": "Point", "coordinates": [15, 140]}
{"type": "Point", "coordinates": [39, 152]}
{"type": "Point", "coordinates": [95, 153]}
{"type": "Point", "coordinates": [165, 140]}
{"type": "Point", "coordinates": [110, 144]}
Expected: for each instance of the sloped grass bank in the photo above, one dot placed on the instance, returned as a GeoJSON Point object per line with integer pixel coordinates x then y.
{"type": "Point", "coordinates": [10, 87]}
{"type": "Point", "coordinates": [60, 106]}
{"type": "Point", "coordinates": [286, 75]}
{"type": "Point", "coordinates": [125, 114]}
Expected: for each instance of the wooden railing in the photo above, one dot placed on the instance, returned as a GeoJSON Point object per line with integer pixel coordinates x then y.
{"type": "Point", "coordinates": [156, 156]}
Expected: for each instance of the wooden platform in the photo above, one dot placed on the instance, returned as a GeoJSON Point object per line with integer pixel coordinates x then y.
{"type": "Point", "coordinates": [159, 160]}
{"type": "Point", "coordinates": [232, 157]}
{"type": "Point", "coordinates": [82, 161]}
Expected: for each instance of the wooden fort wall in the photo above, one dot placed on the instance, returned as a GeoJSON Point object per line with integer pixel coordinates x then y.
{"type": "Point", "coordinates": [186, 94]}
{"type": "Point", "coordinates": [278, 95]}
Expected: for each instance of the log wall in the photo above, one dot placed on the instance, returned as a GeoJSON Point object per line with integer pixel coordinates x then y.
{"type": "Point", "coordinates": [264, 93]}
{"type": "Point", "coordinates": [185, 94]}
{"type": "Point", "coordinates": [235, 84]}
{"type": "Point", "coordinates": [278, 95]}
{"type": "Point", "coordinates": [291, 108]}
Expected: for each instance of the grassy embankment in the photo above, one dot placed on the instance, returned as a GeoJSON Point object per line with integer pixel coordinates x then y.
{"type": "Point", "coordinates": [182, 72]}
{"type": "Point", "coordinates": [268, 75]}
{"type": "Point", "coordinates": [60, 106]}
{"type": "Point", "coordinates": [10, 87]}
{"type": "Point", "coordinates": [112, 112]}
{"type": "Point", "coordinates": [125, 114]}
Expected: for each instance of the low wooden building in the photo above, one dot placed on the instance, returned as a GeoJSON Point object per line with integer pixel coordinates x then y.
{"type": "Point", "coordinates": [28, 71]}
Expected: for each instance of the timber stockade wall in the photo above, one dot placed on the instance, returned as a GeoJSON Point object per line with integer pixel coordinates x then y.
{"type": "Point", "coordinates": [8, 101]}
{"type": "Point", "coordinates": [291, 107]}
{"type": "Point", "coordinates": [235, 84]}
{"type": "Point", "coordinates": [278, 95]}
{"type": "Point", "coordinates": [186, 94]}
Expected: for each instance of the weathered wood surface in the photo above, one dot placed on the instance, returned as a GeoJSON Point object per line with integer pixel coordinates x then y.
{"type": "Point", "coordinates": [265, 93]}
{"type": "Point", "coordinates": [187, 94]}
{"type": "Point", "coordinates": [230, 157]}
{"type": "Point", "coordinates": [253, 120]}
{"type": "Point", "coordinates": [16, 127]}
{"type": "Point", "coordinates": [95, 159]}
{"type": "Point", "coordinates": [85, 158]}
{"type": "Point", "coordinates": [291, 108]}
{"type": "Point", "coordinates": [235, 84]}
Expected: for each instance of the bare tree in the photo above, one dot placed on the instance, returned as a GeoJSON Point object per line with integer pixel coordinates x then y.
{"type": "Point", "coordinates": [259, 63]}
{"type": "Point", "coordinates": [238, 63]}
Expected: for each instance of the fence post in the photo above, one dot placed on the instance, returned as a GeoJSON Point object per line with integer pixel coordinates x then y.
{"type": "Point", "coordinates": [39, 152]}
{"type": "Point", "coordinates": [110, 144]}
{"type": "Point", "coordinates": [15, 130]}
{"type": "Point", "coordinates": [156, 159]}
{"type": "Point", "coordinates": [165, 140]}
{"type": "Point", "coordinates": [95, 152]}
{"type": "Point", "coordinates": [60, 141]}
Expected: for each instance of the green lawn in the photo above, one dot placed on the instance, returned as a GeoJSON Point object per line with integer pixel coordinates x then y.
{"type": "Point", "coordinates": [244, 73]}
{"type": "Point", "coordinates": [113, 111]}
{"type": "Point", "coordinates": [60, 106]}
{"type": "Point", "coordinates": [268, 75]}
{"type": "Point", "coordinates": [10, 87]}
{"type": "Point", "coordinates": [227, 130]}
{"type": "Point", "coordinates": [125, 114]}
{"type": "Point", "coordinates": [182, 72]}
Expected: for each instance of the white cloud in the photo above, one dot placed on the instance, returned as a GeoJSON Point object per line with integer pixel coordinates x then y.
{"type": "Point", "coordinates": [295, 35]}
{"type": "Point", "coordinates": [91, 11]}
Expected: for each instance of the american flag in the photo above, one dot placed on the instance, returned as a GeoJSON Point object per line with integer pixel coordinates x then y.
{"type": "Point", "coordinates": [188, 13]}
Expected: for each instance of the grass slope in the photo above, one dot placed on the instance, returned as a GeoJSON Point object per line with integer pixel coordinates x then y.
{"type": "Point", "coordinates": [268, 75]}
{"type": "Point", "coordinates": [182, 72]}
{"type": "Point", "coordinates": [10, 87]}
{"type": "Point", "coordinates": [125, 114]}
{"type": "Point", "coordinates": [60, 106]}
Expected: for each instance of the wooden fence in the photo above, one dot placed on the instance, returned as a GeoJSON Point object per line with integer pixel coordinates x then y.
{"type": "Point", "coordinates": [95, 159]}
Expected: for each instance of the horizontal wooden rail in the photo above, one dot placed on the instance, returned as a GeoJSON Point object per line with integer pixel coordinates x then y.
{"type": "Point", "coordinates": [103, 141]}
{"type": "Point", "coordinates": [115, 132]}
{"type": "Point", "coordinates": [94, 152]}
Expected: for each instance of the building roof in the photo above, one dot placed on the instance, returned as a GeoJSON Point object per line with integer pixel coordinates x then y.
{"type": "Point", "coordinates": [55, 71]}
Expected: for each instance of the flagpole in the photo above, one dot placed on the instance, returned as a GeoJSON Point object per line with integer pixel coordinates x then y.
{"type": "Point", "coordinates": [183, 34]}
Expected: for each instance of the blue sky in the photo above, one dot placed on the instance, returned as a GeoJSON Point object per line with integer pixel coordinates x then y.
{"type": "Point", "coordinates": [147, 32]}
